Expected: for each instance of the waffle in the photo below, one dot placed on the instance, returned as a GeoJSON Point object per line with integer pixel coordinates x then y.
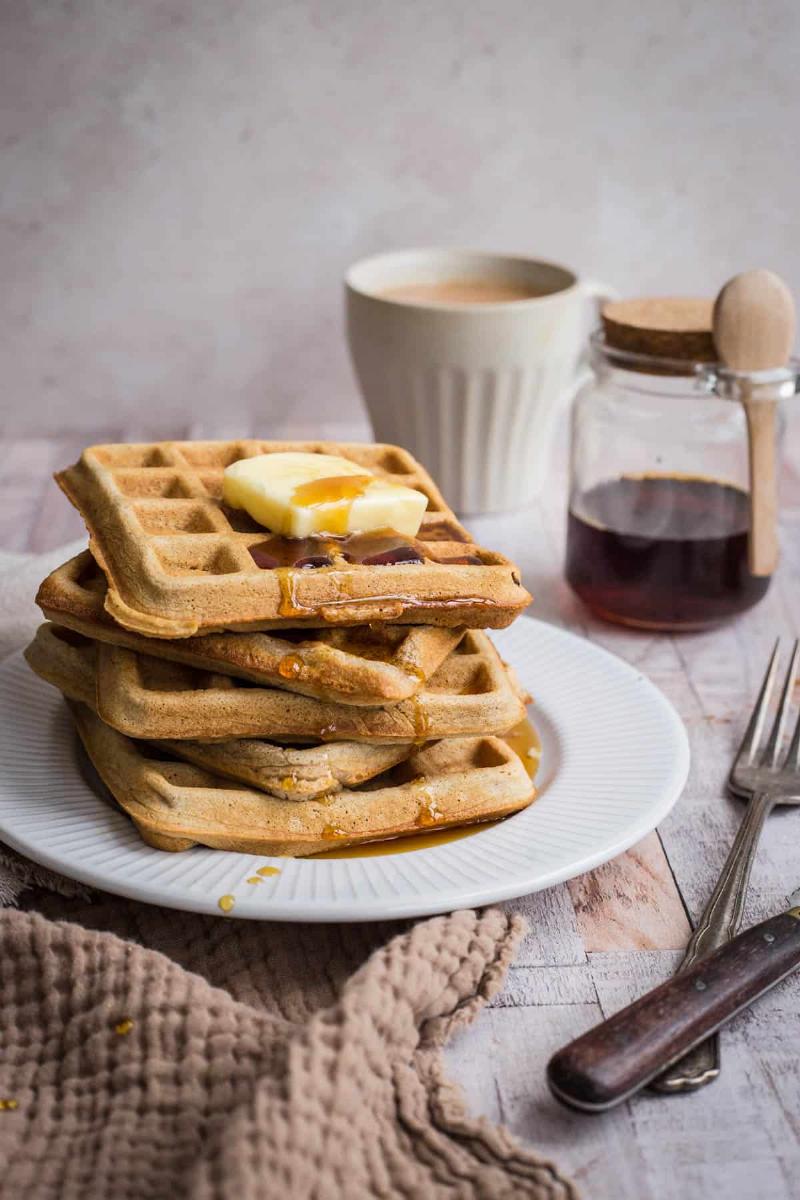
{"type": "Point", "coordinates": [382, 664]}
{"type": "Point", "coordinates": [472, 693]}
{"type": "Point", "coordinates": [178, 562]}
{"type": "Point", "coordinates": [291, 773]}
{"type": "Point", "coordinates": [176, 805]}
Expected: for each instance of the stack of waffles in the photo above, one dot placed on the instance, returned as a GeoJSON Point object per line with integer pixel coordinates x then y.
{"type": "Point", "coordinates": [279, 696]}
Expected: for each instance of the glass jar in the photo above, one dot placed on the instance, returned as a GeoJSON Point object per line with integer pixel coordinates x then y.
{"type": "Point", "coordinates": [659, 492]}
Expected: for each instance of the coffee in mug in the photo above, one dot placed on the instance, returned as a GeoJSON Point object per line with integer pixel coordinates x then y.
{"type": "Point", "coordinates": [461, 291]}
{"type": "Point", "coordinates": [467, 359]}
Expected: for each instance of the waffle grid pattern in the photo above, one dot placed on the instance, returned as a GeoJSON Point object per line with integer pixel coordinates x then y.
{"type": "Point", "coordinates": [176, 805]}
{"type": "Point", "coordinates": [177, 559]}
{"type": "Point", "coordinates": [381, 665]}
{"type": "Point", "coordinates": [471, 694]}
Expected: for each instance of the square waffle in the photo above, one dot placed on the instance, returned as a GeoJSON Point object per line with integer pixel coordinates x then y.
{"type": "Point", "coordinates": [472, 693]}
{"type": "Point", "coordinates": [178, 562]}
{"type": "Point", "coordinates": [176, 805]}
{"type": "Point", "coordinates": [289, 772]}
{"type": "Point", "coordinates": [381, 664]}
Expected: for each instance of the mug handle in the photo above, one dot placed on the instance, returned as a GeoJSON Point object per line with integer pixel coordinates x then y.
{"type": "Point", "coordinates": [593, 289]}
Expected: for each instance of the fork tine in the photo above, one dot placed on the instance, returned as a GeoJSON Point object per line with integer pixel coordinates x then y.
{"type": "Point", "coordinates": [793, 753]}
{"type": "Point", "coordinates": [755, 725]}
{"type": "Point", "coordinates": [773, 747]}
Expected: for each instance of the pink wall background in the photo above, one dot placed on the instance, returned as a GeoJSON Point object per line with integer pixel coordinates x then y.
{"type": "Point", "coordinates": [183, 184]}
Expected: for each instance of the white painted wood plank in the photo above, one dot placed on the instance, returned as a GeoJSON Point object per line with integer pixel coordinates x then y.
{"type": "Point", "coordinates": [553, 936]}
{"type": "Point", "coordinates": [631, 903]}
{"type": "Point", "coordinates": [723, 1140]}
{"type": "Point", "coordinates": [499, 1063]}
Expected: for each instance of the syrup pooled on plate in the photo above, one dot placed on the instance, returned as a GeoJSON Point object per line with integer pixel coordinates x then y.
{"type": "Point", "coordinates": [662, 552]}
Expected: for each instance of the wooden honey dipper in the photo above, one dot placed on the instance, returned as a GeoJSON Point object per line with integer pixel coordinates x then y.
{"type": "Point", "coordinates": [754, 323]}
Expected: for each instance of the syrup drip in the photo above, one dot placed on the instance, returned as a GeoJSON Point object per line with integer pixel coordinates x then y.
{"type": "Point", "coordinates": [8, 1105]}
{"type": "Point", "coordinates": [290, 666]}
{"type": "Point", "coordinates": [415, 672]}
{"type": "Point", "coordinates": [429, 813]}
{"type": "Point", "coordinates": [332, 490]}
{"type": "Point", "coordinates": [524, 741]}
{"type": "Point", "coordinates": [337, 494]}
{"type": "Point", "coordinates": [123, 1027]}
{"type": "Point", "coordinates": [288, 606]}
{"type": "Point", "coordinates": [421, 720]}
{"type": "Point", "coordinates": [330, 833]}
{"type": "Point", "coordinates": [226, 903]}
{"type": "Point", "coordinates": [267, 870]}
{"type": "Point", "coordinates": [254, 879]}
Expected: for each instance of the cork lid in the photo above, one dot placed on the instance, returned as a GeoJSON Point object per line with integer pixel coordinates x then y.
{"type": "Point", "coordinates": [666, 327]}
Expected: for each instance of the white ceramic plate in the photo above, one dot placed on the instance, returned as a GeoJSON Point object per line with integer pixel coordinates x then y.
{"type": "Point", "coordinates": [614, 761]}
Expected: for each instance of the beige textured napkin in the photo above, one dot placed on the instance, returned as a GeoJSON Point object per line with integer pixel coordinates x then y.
{"type": "Point", "coordinates": [153, 1054]}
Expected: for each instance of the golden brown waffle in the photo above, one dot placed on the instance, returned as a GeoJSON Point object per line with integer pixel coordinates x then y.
{"type": "Point", "coordinates": [178, 562]}
{"type": "Point", "coordinates": [291, 772]}
{"type": "Point", "coordinates": [176, 805]}
{"type": "Point", "coordinates": [472, 693]}
{"type": "Point", "coordinates": [382, 664]}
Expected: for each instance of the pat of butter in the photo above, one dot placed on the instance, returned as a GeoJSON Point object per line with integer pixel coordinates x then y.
{"type": "Point", "coordinates": [299, 495]}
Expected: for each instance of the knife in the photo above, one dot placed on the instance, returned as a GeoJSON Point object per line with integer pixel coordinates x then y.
{"type": "Point", "coordinates": [618, 1057]}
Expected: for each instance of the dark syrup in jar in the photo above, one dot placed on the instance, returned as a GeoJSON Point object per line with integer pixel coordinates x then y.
{"type": "Point", "coordinates": [662, 552]}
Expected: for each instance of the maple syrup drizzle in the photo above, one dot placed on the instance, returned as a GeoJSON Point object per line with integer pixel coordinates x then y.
{"type": "Point", "coordinates": [288, 606]}
{"type": "Point", "coordinates": [422, 722]}
{"type": "Point", "coordinates": [226, 903]}
{"type": "Point", "coordinates": [268, 870]}
{"type": "Point", "coordinates": [429, 813]}
{"type": "Point", "coordinates": [254, 879]}
{"type": "Point", "coordinates": [337, 494]}
{"type": "Point", "coordinates": [290, 666]}
{"type": "Point", "coordinates": [523, 740]}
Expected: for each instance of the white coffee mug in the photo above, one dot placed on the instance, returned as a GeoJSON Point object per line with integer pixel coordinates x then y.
{"type": "Point", "coordinates": [473, 390]}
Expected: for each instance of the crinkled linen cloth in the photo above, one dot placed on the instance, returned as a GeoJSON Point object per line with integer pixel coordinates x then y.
{"type": "Point", "coordinates": [148, 1054]}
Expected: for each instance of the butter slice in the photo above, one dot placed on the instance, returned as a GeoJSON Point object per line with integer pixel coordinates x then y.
{"type": "Point", "coordinates": [300, 495]}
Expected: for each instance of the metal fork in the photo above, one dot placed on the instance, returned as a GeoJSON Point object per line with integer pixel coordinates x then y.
{"type": "Point", "coordinates": [764, 780]}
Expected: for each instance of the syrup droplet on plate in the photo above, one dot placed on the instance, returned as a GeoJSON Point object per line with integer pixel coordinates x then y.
{"type": "Point", "coordinates": [226, 903]}
{"type": "Point", "coordinates": [267, 870]}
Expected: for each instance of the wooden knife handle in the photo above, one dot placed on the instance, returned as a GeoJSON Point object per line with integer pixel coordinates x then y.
{"type": "Point", "coordinates": [613, 1060]}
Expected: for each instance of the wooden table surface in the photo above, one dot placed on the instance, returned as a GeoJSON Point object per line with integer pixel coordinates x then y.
{"type": "Point", "coordinates": [601, 940]}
